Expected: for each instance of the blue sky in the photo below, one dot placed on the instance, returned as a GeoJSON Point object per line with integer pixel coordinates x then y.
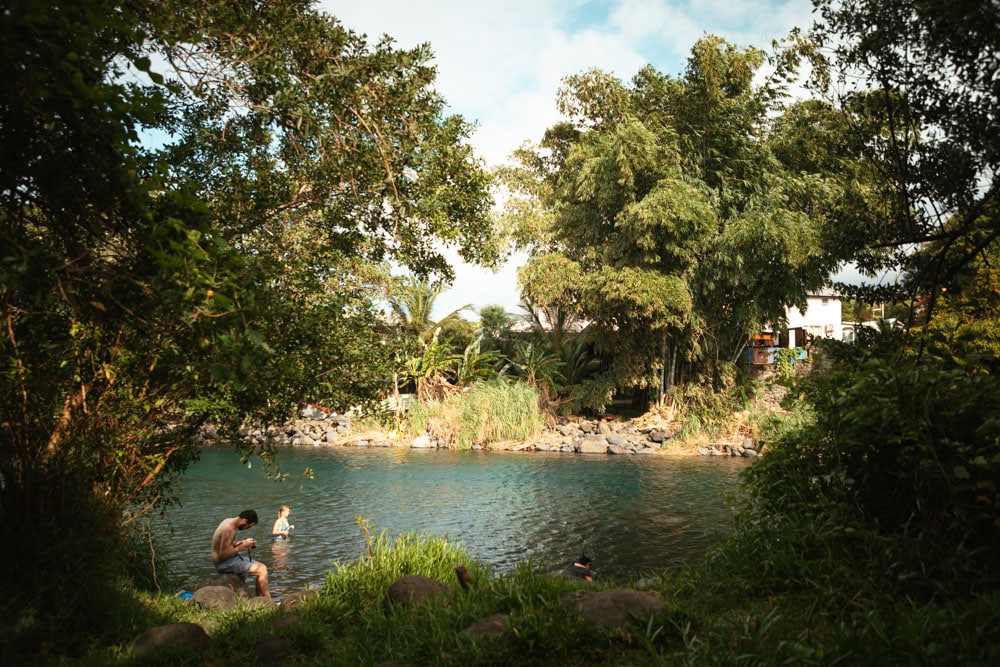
{"type": "Point", "coordinates": [500, 64]}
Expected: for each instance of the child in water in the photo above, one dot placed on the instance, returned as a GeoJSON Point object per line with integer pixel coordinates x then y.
{"type": "Point", "coordinates": [281, 525]}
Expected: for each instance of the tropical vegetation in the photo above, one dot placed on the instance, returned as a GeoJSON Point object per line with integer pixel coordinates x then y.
{"type": "Point", "coordinates": [199, 204]}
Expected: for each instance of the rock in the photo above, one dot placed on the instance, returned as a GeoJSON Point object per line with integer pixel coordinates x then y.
{"type": "Point", "coordinates": [615, 439]}
{"type": "Point", "coordinates": [567, 430]}
{"type": "Point", "coordinates": [270, 650]}
{"type": "Point", "coordinates": [259, 601]}
{"type": "Point", "coordinates": [296, 598]}
{"type": "Point", "coordinates": [594, 444]}
{"type": "Point", "coordinates": [604, 428]}
{"type": "Point", "coordinates": [613, 608]}
{"type": "Point", "coordinates": [422, 442]}
{"type": "Point", "coordinates": [216, 598]}
{"type": "Point", "coordinates": [415, 588]}
{"type": "Point", "coordinates": [615, 449]}
{"type": "Point", "coordinates": [658, 435]}
{"type": "Point", "coordinates": [490, 627]}
{"type": "Point", "coordinates": [230, 580]}
{"type": "Point", "coordinates": [180, 637]}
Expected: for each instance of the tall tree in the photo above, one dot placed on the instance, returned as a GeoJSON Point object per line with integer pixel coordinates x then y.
{"type": "Point", "coordinates": [922, 81]}
{"type": "Point", "coordinates": [670, 223]}
{"type": "Point", "coordinates": [221, 274]}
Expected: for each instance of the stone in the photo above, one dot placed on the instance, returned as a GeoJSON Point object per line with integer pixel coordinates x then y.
{"type": "Point", "coordinates": [416, 588]}
{"type": "Point", "coordinates": [188, 638]}
{"type": "Point", "coordinates": [216, 598]}
{"type": "Point", "coordinates": [261, 602]}
{"type": "Point", "coordinates": [615, 439]}
{"type": "Point", "coordinates": [593, 445]}
{"type": "Point", "coordinates": [658, 435]}
{"type": "Point", "coordinates": [422, 442]}
{"type": "Point", "coordinates": [490, 627]}
{"type": "Point", "coordinates": [295, 598]}
{"type": "Point", "coordinates": [613, 608]}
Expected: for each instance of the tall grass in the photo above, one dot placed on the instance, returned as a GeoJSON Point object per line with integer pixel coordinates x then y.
{"type": "Point", "coordinates": [488, 412]}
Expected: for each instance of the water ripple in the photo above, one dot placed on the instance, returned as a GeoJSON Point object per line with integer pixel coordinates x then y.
{"type": "Point", "coordinates": [630, 514]}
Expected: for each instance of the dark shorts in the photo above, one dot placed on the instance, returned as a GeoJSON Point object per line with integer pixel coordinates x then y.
{"type": "Point", "coordinates": [237, 565]}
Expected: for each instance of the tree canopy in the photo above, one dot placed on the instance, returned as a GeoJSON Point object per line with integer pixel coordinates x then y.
{"type": "Point", "coordinates": [674, 218]}
{"type": "Point", "coordinates": [194, 201]}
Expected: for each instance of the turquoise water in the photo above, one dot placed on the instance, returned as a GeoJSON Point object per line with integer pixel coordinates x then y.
{"type": "Point", "coordinates": [632, 515]}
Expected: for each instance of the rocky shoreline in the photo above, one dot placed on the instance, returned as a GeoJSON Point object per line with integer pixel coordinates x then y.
{"type": "Point", "coordinates": [608, 435]}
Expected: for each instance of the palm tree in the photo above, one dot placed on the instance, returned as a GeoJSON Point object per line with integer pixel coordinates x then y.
{"type": "Point", "coordinates": [412, 302]}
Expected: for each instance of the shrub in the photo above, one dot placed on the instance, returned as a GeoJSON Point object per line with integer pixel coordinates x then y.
{"type": "Point", "coordinates": [910, 449]}
{"type": "Point", "coordinates": [488, 412]}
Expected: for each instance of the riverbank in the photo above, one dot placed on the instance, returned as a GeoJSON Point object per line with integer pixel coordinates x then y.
{"type": "Point", "coordinates": [648, 435]}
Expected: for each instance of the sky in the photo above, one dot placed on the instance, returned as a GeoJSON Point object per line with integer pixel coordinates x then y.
{"type": "Point", "coordinates": [500, 64]}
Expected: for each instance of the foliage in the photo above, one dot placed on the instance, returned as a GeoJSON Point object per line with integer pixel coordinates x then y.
{"type": "Point", "coordinates": [899, 448]}
{"type": "Point", "coordinates": [922, 90]}
{"type": "Point", "coordinates": [488, 412]}
{"type": "Point", "coordinates": [762, 596]}
{"type": "Point", "coordinates": [671, 222]}
{"type": "Point", "coordinates": [195, 244]}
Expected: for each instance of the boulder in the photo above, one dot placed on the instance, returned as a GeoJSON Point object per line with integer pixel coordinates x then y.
{"type": "Point", "coordinates": [416, 588]}
{"type": "Point", "coordinates": [229, 580]}
{"type": "Point", "coordinates": [593, 445]}
{"type": "Point", "coordinates": [188, 638]}
{"type": "Point", "coordinates": [659, 435]}
{"type": "Point", "coordinates": [216, 598]}
{"type": "Point", "coordinates": [422, 442]}
{"type": "Point", "coordinates": [296, 598]}
{"type": "Point", "coordinates": [617, 607]}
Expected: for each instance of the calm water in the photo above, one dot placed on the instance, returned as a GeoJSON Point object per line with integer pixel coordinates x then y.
{"type": "Point", "coordinates": [631, 515]}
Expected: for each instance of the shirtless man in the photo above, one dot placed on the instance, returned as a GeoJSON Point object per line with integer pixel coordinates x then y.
{"type": "Point", "coordinates": [226, 551]}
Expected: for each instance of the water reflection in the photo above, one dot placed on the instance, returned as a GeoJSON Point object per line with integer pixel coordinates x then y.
{"type": "Point", "coordinates": [630, 514]}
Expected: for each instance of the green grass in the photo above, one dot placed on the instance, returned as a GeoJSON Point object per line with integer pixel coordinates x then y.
{"type": "Point", "coordinates": [792, 594]}
{"type": "Point", "coordinates": [488, 412]}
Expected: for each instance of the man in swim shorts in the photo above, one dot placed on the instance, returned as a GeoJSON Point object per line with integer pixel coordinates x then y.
{"type": "Point", "coordinates": [226, 551]}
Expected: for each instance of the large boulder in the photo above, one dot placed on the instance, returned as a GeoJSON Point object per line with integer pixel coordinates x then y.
{"type": "Point", "coordinates": [416, 588]}
{"type": "Point", "coordinates": [186, 638]}
{"type": "Point", "coordinates": [613, 608]}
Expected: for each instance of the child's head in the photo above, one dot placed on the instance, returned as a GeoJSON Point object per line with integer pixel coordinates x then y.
{"type": "Point", "coordinates": [284, 510]}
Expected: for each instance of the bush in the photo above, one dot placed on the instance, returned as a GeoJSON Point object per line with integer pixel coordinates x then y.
{"type": "Point", "coordinates": [908, 450]}
{"type": "Point", "coordinates": [488, 412]}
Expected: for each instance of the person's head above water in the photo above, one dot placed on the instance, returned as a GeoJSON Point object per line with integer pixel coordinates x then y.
{"type": "Point", "coordinates": [250, 516]}
{"type": "Point", "coordinates": [584, 561]}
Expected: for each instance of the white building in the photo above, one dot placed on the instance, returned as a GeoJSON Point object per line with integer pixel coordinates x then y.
{"type": "Point", "coordinates": [822, 318]}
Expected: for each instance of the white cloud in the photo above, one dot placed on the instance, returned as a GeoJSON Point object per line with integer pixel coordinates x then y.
{"type": "Point", "coordinates": [500, 64]}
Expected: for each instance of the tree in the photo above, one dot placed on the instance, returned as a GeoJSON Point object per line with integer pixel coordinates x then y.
{"type": "Point", "coordinates": [217, 274]}
{"type": "Point", "coordinates": [670, 222]}
{"type": "Point", "coordinates": [921, 82]}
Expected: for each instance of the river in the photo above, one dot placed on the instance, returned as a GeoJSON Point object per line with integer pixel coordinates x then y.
{"type": "Point", "coordinates": [631, 514]}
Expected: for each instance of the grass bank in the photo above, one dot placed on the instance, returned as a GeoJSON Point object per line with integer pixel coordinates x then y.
{"type": "Point", "coordinates": [767, 596]}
